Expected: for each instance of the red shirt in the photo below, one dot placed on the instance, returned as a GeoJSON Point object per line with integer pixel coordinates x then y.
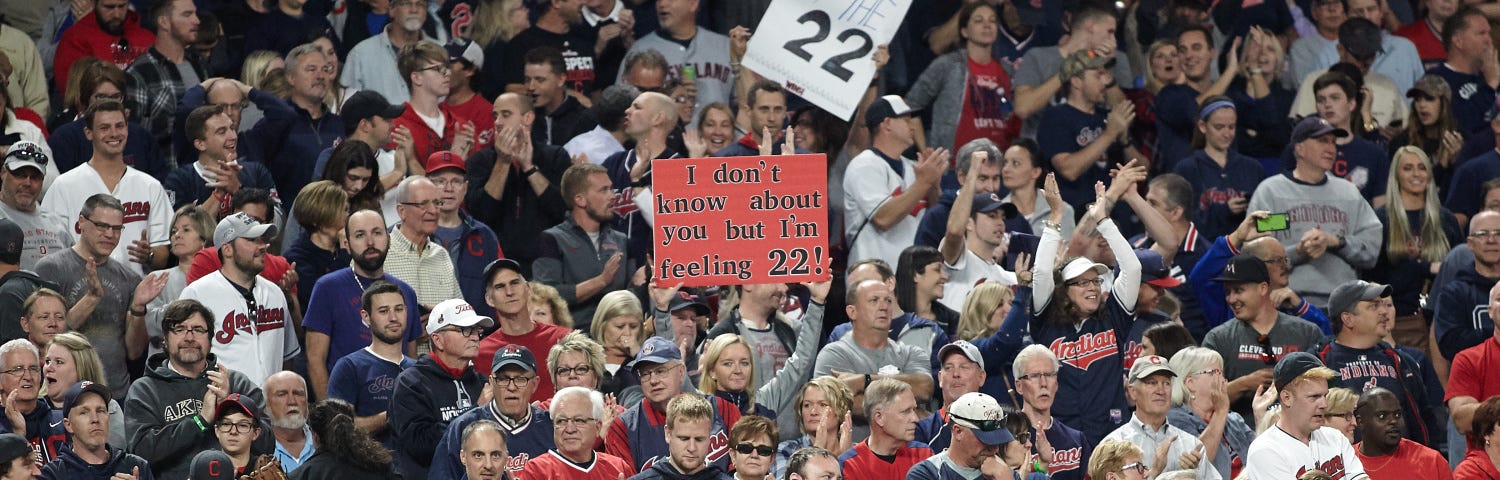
{"type": "Point", "coordinates": [861, 463]}
{"type": "Point", "coordinates": [207, 261]}
{"type": "Point", "coordinates": [1429, 46]}
{"type": "Point", "coordinates": [424, 140]}
{"type": "Point", "coordinates": [552, 466]}
{"type": "Point", "coordinates": [986, 105]}
{"type": "Point", "coordinates": [1475, 373]}
{"type": "Point", "coordinates": [481, 113]}
{"type": "Point", "coordinates": [1476, 466]}
{"type": "Point", "coordinates": [539, 340]}
{"type": "Point", "coordinates": [1410, 460]}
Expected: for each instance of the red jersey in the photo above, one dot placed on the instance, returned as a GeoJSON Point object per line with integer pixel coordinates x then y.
{"type": "Point", "coordinates": [986, 105]}
{"type": "Point", "coordinates": [1429, 45]}
{"type": "Point", "coordinates": [482, 113]}
{"type": "Point", "coordinates": [1410, 460]}
{"type": "Point", "coordinates": [553, 465]}
{"type": "Point", "coordinates": [539, 340]}
{"type": "Point", "coordinates": [861, 463]}
{"type": "Point", "coordinates": [1476, 466]}
{"type": "Point", "coordinates": [1475, 373]}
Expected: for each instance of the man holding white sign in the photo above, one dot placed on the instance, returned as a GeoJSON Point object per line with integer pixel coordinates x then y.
{"type": "Point", "coordinates": [883, 208]}
{"type": "Point", "coordinates": [824, 53]}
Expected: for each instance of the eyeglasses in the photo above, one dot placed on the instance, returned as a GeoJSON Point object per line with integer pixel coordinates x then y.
{"type": "Point", "coordinates": [425, 205]}
{"type": "Point", "coordinates": [1094, 282]}
{"type": "Point", "coordinates": [181, 330]}
{"type": "Point", "coordinates": [444, 183]}
{"type": "Point", "coordinates": [646, 375]}
{"type": "Point", "coordinates": [1211, 371]}
{"type": "Point", "coordinates": [235, 428]}
{"type": "Point", "coordinates": [27, 154]}
{"type": "Point", "coordinates": [231, 107]}
{"type": "Point", "coordinates": [464, 331]}
{"type": "Point", "coordinates": [579, 422]}
{"type": "Point", "coordinates": [100, 97]}
{"type": "Point", "coordinates": [748, 448]}
{"type": "Point", "coordinates": [1023, 437]}
{"type": "Point", "coordinates": [1347, 416]}
{"type": "Point", "coordinates": [1039, 376]}
{"type": "Point", "coordinates": [1485, 234]}
{"type": "Point", "coordinates": [1139, 467]}
{"type": "Point", "coordinates": [1280, 261]}
{"type": "Point", "coordinates": [21, 371]}
{"type": "Point", "coordinates": [518, 382]}
{"type": "Point", "coordinates": [440, 68]}
{"type": "Point", "coordinates": [580, 370]}
{"type": "Point", "coordinates": [105, 226]}
{"type": "Point", "coordinates": [982, 425]}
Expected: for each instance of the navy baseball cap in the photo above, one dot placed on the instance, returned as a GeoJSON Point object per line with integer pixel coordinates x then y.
{"type": "Point", "coordinates": [368, 104]}
{"type": "Point", "coordinates": [75, 392]}
{"type": "Point", "coordinates": [688, 300]}
{"type": "Point", "coordinates": [1314, 127]}
{"type": "Point", "coordinates": [498, 265]}
{"type": "Point", "coordinates": [889, 106]}
{"type": "Point", "coordinates": [1293, 365]}
{"type": "Point", "coordinates": [656, 351]}
{"type": "Point", "coordinates": [1154, 269]}
{"type": "Point", "coordinates": [513, 355]}
{"type": "Point", "coordinates": [989, 202]}
{"type": "Point", "coordinates": [236, 403]}
{"type": "Point", "coordinates": [211, 465]}
{"type": "Point", "coordinates": [12, 242]}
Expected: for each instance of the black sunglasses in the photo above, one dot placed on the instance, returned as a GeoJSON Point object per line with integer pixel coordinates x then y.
{"type": "Point", "coordinates": [762, 450]}
{"type": "Point", "coordinates": [1266, 354]}
{"type": "Point", "coordinates": [27, 154]}
{"type": "Point", "coordinates": [982, 425]}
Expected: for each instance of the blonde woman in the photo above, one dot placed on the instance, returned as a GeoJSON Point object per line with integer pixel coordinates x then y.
{"type": "Point", "coordinates": [819, 408]}
{"type": "Point", "coordinates": [70, 359]}
{"type": "Point", "coordinates": [1340, 412]}
{"type": "Point", "coordinates": [1418, 231]}
{"type": "Point", "coordinates": [494, 24]}
{"type": "Point", "coordinates": [257, 67]}
{"type": "Point", "coordinates": [617, 327]}
{"type": "Point", "coordinates": [548, 307]}
{"type": "Point", "coordinates": [984, 310]}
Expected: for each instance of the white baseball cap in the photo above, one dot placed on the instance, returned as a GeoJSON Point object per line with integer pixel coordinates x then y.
{"type": "Point", "coordinates": [455, 313]}
{"type": "Point", "coordinates": [1081, 265]}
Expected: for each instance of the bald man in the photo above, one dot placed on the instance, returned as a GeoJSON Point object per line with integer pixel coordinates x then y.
{"type": "Point", "coordinates": [1462, 319]}
{"type": "Point", "coordinates": [648, 121]}
{"type": "Point", "coordinates": [515, 187]}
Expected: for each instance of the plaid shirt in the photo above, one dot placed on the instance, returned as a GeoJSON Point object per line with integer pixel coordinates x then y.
{"type": "Point", "coordinates": [154, 85]}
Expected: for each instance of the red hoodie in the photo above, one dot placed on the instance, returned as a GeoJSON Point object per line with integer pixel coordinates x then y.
{"type": "Point", "coordinates": [87, 39]}
{"type": "Point", "coordinates": [424, 140]}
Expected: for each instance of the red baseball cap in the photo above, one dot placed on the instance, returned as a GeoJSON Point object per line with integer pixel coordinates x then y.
{"type": "Point", "coordinates": [445, 159]}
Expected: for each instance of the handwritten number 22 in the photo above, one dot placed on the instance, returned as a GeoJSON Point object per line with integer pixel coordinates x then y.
{"type": "Point", "coordinates": [835, 64]}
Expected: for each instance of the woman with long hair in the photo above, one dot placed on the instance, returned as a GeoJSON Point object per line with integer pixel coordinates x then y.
{"type": "Point", "coordinates": [344, 451]}
{"type": "Point", "coordinates": [920, 278]}
{"type": "Point", "coordinates": [352, 166]}
{"type": "Point", "coordinates": [1200, 406]}
{"type": "Point", "coordinates": [1071, 313]}
{"type": "Point", "coordinates": [495, 23]}
{"type": "Point", "coordinates": [970, 75]}
{"type": "Point", "coordinates": [548, 307]}
{"type": "Point", "coordinates": [714, 131]}
{"type": "Point", "coordinates": [617, 325]}
{"type": "Point", "coordinates": [1162, 68]}
{"type": "Point", "coordinates": [984, 309]}
{"type": "Point", "coordinates": [69, 359]}
{"type": "Point", "coordinates": [1418, 232]}
{"type": "Point", "coordinates": [1216, 167]}
{"type": "Point", "coordinates": [1430, 126]}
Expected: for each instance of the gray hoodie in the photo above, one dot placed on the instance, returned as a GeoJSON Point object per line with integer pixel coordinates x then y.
{"type": "Point", "coordinates": [161, 416]}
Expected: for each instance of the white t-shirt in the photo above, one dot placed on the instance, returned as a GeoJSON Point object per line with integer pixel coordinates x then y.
{"type": "Point", "coordinates": [253, 343]}
{"type": "Point", "coordinates": [1276, 455]}
{"type": "Point", "coordinates": [147, 208]}
{"type": "Point", "coordinates": [864, 194]}
{"type": "Point", "coordinates": [967, 273]}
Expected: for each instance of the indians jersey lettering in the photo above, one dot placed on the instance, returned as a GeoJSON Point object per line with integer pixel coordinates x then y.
{"type": "Point", "coordinates": [253, 340]}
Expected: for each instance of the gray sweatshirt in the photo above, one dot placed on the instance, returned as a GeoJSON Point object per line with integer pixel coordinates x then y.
{"type": "Point", "coordinates": [1335, 206]}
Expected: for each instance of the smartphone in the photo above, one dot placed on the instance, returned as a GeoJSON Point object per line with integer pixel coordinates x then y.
{"type": "Point", "coordinates": [1273, 223]}
{"type": "Point", "coordinates": [689, 73]}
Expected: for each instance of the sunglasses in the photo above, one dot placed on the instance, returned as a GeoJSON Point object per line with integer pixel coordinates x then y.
{"type": "Point", "coordinates": [748, 448]}
{"type": "Point", "coordinates": [982, 425]}
{"type": "Point", "coordinates": [1265, 349]}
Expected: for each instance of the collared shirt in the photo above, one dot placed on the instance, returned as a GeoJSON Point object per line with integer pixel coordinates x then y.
{"type": "Point", "coordinates": [1148, 438]}
{"type": "Point", "coordinates": [155, 84]}
{"type": "Point", "coordinates": [594, 19]}
{"type": "Point", "coordinates": [430, 272]}
{"type": "Point", "coordinates": [290, 462]}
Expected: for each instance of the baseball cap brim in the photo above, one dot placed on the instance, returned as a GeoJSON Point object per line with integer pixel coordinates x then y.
{"type": "Point", "coordinates": [1083, 265]}
{"type": "Point", "coordinates": [1149, 370]}
{"type": "Point", "coordinates": [1165, 282]}
{"type": "Point", "coordinates": [17, 164]}
{"type": "Point", "coordinates": [998, 436]}
{"type": "Point", "coordinates": [512, 361]}
{"type": "Point", "coordinates": [259, 231]}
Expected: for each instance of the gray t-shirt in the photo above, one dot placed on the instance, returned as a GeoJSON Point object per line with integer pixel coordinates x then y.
{"type": "Point", "coordinates": [45, 234]}
{"type": "Point", "coordinates": [189, 77]}
{"type": "Point", "coordinates": [846, 356]}
{"type": "Point", "coordinates": [767, 352]}
{"type": "Point", "coordinates": [1242, 350]}
{"type": "Point", "coordinates": [105, 328]}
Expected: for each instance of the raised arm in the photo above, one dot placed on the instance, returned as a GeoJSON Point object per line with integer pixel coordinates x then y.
{"type": "Point", "coordinates": [952, 246]}
{"type": "Point", "coordinates": [1047, 248]}
{"type": "Point", "coordinates": [779, 393]}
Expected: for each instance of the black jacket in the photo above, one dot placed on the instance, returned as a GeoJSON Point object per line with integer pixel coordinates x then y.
{"type": "Point", "coordinates": [161, 417]}
{"type": "Point", "coordinates": [519, 216]}
{"type": "Point", "coordinates": [664, 470]}
{"type": "Point", "coordinates": [426, 398]}
{"type": "Point", "coordinates": [14, 288]}
{"type": "Point", "coordinates": [324, 466]}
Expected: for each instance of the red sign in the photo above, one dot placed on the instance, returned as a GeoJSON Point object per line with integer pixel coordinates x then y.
{"type": "Point", "coordinates": [740, 220]}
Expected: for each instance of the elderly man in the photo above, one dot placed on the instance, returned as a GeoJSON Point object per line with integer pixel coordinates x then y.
{"type": "Point", "coordinates": [286, 403]}
{"type": "Point", "coordinates": [512, 380]}
{"type": "Point", "coordinates": [639, 436]}
{"type": "Point", "coordinates": [28, 413]}
{"type": "Point", "coordinates": [509, 294]}
{"type": "Point", "coordinates": [978, 434]}
{"type": "Point", "coordinates": [1151, 390]}
{"type": "Point", "coordinates": [892, 410]}
{"type": "Point", "coordinates": [1035, 370]}
{"type": "Point", "coordinates": [1461, 321]}
{"type": "Point", "coordinates": [471, 245]}
{"type": "Point", "coordinates": [576, 416]}
{"type": "Point", "coordinates": [441, 387]}
{"type": "Point", "coordinates": [414, 257]}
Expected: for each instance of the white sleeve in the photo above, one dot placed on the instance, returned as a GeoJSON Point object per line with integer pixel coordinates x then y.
{"type": "Point", "coordinates": [159, 230]}
{"type": "Point", "coordinates": [1127, 285]}
{"type": "Point", "coordinates": [1042, 266]}
{"type": "Point", "coordinates": [643, 205]}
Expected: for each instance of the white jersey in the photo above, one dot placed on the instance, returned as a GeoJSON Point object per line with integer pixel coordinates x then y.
{"type": "Point", "coordinates": [967, 273]}
{"type": "Point", "coordinates": [1276, 455]}
{"type": "Point", "coordinates": [864, 194]}
{"type": "Point", "coordinates": [147, 208]}
{"type": "Point", "coordinates": [253, 340]}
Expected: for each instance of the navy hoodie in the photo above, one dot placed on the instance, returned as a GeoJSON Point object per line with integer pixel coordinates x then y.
{"type": "Point", "coordinates": [42, 433]}
{"type": "Point", "coordinates": [68, 466]}
{"type": "Point", "coordinates": [665, 471]}
{"type": "Point", "coordinates": [1462, 319]}
{"type": "Point", "coordinates": [426, 398]}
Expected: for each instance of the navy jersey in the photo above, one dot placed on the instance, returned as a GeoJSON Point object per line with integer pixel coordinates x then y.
{"type": "Point", "coordinates": [627, 219]}
{"type": "Point", "coordinates": [639, 434]}
{"type": "Point", "coordinates": [1472, 97]}
{"type": "Point", "coordinates": [1176, 110]}
{"type": "Point", "coordinates": [1090, 384]}
{"type": "Point", "coordinates": [1379, 366]}
{"type": "Point", "coordinates": [1143, 321]}
{"type": "Point", "coordinates": [1070, 452]}
{"type": "Point", "coordinates": [525, 441]}
{"type": "Point", "coordinates": [1216, 186]}
{"type": "Point", "coordinates": [1065, 129]}
{"type": "Point", "coordinates": [366, 382]}
{"type": "Point", "coordinates": [1466, 192]}
{"type": "Point", "coordinates": [934, 430]}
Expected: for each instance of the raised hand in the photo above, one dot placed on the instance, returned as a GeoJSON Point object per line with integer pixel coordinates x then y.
{"type": "Point", "coordinates": [661, 297]}
{"type": "Point", "coordinates": [1247, 231]}
{"type": "Point", "coordinates": [1120, 118]}
{"type": "Point", "coordinates": [289, 280]}
{"type": "Point", "coordinates": [931, 163]}
{"type": "Point", "coordinates": [767, 142]}
{"type": "Point", "coordinates": [739, 42]}
{"type": "Point", "coordinates": [146, 291]}
{"type": "Point", "coordinates": [1052, 194]}
{"type": "Point", "coordinates": [140, 250]}
{"type": "Point", "coordinates": [612, 268]}
{"type": "Point", "coordinates": [91, 277]}
{"type": "Point", "coordinates": [789, 144]}
{"type": "Point", "coordinates": [696, 146]}
{"type": "Point", "coordinates": [1023, 268]}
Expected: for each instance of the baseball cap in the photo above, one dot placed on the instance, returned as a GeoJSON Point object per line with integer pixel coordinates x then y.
{"type": "Point", "coordinates": [465, 51]}
{"type": "Point", "coordinates": [1081, 265]}
{"type": "Point", "coordinates": [12, 241]}
{"type": "Point", "coordinates": [656, 351]}
{"type": "Point", "coordinates": [1313, 127]}
{"type": "Point", "coordinates": [688, 300]}
{"type": "Point", "coordinates": [26, 153]}
{"type": "Point", "coordinates": [14, 446]}
{"type": "Point", "coordinates": [1154, 269]}
{"type": "Point", "coordinates": [989, 202]}
{"type": "Point", "coordinates": [1432, 86]}
{"type": "Point", "coordinates": [1077, 62]}
{"type": "Point", "coordinates": [1149, 365]}
{"type": "Point", "coordinates": [1360, 38]}
{"type": "Point", "coordinates": [236, 403]}
{"type": "Point", "coordinates": [501, 264]}
{"type": "Point", "coordinates": [211, 465]}
{"type": "Point", "coordinates": [455, 313]}
{"type": "Point", "coordinates": [889, 106]}
{"type": "Point", "coordinates": [445, 159]}
{"type": "Point", "coordinates": [513, 355]}
{"type": "Point", "coordinates": [367, 104]}
{"type": "Point", "coordinates": [1244, 268]}
{"type": "Point", "coordinates": [1345, 297]}
{"type": "Point", "coordinates": [71, 398]}
{"type": "Point", "coordinates": [241, 225]}
{"type": "Point", "coordinates": [961, 346]}
{"type": "Point", "coordinates": [982, 415]}
{"type": "Point", "coordinates": [1293, 365]}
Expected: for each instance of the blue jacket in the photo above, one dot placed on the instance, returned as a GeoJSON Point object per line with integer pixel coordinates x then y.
{"type": "Point", "coordinates": [68, 466]}
{"type": "Point", "coordinates": [70, 148]}
{"type": "Point", "coordinates": [526, 441]}
{"type": "Point", "coordinates": [475, 248]}
{"type": "Point", "coordinates": [292, 139]}
{"type": "Point", "coordinates": [665, 471]}
{"type": "Point", "coordinates": [1211, 293]}
{"type": "Point", "coordinates": [1461, 320]}
{"type": "Point", "coordinates": [195, 97]}
{"type": "Point", "coordinates": [426, 399]}
{"type": "Point", "coordinates": [44, 429]}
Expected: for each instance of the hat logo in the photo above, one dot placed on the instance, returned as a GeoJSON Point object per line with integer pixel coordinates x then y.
{"type": "Point", "coordinates": [648, 348]}
{"type": "Point", "coordinates": [511, 351]}
{"type": "Point", "coordinates": [995, 197]}
{"type": "Point", "coordinates": [1229, 269]}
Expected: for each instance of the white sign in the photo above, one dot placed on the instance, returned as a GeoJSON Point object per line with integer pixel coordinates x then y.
{"type": "Point", "coordinates": [823, 50]}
